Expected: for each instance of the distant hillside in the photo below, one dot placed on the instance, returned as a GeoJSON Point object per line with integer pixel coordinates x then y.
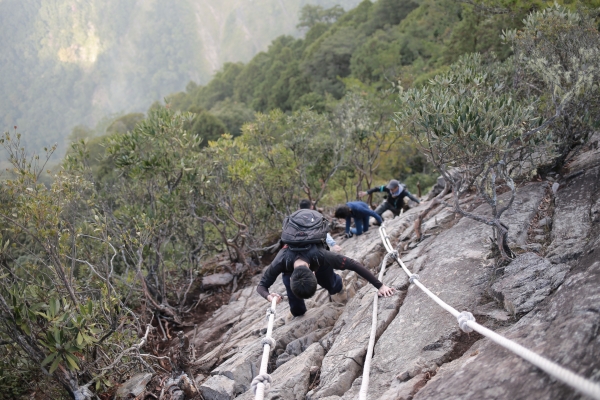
{"type": "Point", "coordinates": [69, 62]}
{"type": "Point", "coordinates": [373, 46]}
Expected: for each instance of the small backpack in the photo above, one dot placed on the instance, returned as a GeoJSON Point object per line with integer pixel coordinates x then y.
{"type": "Point", "coordinates": [304, 228]}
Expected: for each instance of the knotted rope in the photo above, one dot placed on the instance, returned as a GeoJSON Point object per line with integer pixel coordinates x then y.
{"type": "Point", "coordinates": [262, 382]}
{"type": "Point", "coordinates": [466, 322]}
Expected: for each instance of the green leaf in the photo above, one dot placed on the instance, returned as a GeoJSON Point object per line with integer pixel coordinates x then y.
{"type": "Point", "coordinates": [54, 306]}
{"type": "Point", "coordinates": [54, 365]}
{"type": "Point", "coordinates": [49, 358]}
{"type": "Point", "coordinates": [56, 334]}
{"type": "Point", "coordinates": [79, 339]}
{"type": "Point", "coordinates": [72, 360]}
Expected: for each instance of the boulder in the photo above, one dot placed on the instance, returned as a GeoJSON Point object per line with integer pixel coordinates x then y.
{"type": "Point", "coordinates": [292, 380]}
{"type": "Point", "coordinates": [216, 280]}
{"type": "Point", "coordinates": [217, 387]}
{"type": "Point", "coordinates": [437, 188]}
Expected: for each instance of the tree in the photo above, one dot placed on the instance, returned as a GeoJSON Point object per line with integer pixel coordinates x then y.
{"type": "Point", "coordinates": [367, 121]}
{"type": "Point", "coordinates": [318, 150]}
{"type": "Point", "coordinates": [557, 58]}
{"type": "Point", "coordinates": [59, 306]}
{"type": "Point", "coordinates": [310, 15]}
{"type": "Point", "coordinates": [147, 205]}
{"type": "Point", "coordinates": [470, 127]}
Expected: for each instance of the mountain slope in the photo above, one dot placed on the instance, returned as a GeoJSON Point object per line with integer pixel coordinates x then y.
{"type": "Point", "coordinates": [68, 62]}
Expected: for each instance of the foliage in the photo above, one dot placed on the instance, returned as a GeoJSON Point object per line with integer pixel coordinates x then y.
{"type": "Point", "coordinates": [471, 128]}
{"type": "Point", "coordinates": [310, 15]}
{"type": "Point", "coordinates": [365, 119]}
{"type": "Point", "coordinates": [557, 57]}
{"type": "Point", "coordinates": [58, 309]}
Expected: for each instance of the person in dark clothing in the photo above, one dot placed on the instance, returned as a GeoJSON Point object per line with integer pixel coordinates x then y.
{"type": "Point", "coordinates": [396, 192]}
{"type": "Point", "coordinates": [360, 211]}
{"type": "Point", "coordinates": [303, 271]}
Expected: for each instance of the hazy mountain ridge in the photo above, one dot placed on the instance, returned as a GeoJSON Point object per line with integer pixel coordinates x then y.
{"type": "Point", "coordinates": [65, 63]}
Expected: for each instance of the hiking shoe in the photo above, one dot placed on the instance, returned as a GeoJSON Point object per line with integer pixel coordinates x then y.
{"type": "Point", "coordinates": [340, 297]}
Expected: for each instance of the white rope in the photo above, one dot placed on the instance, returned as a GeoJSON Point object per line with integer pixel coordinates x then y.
{"type": "Point", "coordinates": [367, 365]}
{"type": "Point", "coordinates": [467, 323]}
{"type": "Point", "coordinates": [262, 382]}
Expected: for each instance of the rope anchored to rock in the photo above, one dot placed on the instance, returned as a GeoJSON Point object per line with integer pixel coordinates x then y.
{"type": "Point", "coordinates": [367, 366]}
{"type": "Point", "coordinates": [262, 382]}
{"type": "Point", "coordinates": [466, 322]}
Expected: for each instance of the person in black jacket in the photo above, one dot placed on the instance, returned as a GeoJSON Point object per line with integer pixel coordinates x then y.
{"type": "Point", "coordinates": [302, 271]}
{"type": "Point", "coordinates": [396, 192]}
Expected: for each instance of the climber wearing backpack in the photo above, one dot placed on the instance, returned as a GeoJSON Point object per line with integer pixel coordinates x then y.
{"type": "Point", "coordinates": [304, 263]}
{"type": "Point", "coordinates": [396, 192]}
{"type": "Point", "coordinates": [308, 205]}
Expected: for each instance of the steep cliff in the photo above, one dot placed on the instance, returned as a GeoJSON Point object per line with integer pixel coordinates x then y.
{"type": "Point", "coordinates": [546, 299]}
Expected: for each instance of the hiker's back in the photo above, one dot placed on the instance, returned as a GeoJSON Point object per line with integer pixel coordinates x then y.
{"type": "Point", "coordinates": [304, 228]}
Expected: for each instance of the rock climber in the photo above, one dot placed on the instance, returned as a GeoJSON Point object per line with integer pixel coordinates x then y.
{"type": "Point", "coordinates": [395, 200]}
{"type": "Point", "coordinates": [360, 211]}
{"type": "Point", "coordinates": [302, 271]}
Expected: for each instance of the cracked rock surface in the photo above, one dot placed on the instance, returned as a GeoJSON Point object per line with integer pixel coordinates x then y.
{"type": "Point", "coordinates": [550, 304]}
{"type": "Point", "coordinates": [527, 281]}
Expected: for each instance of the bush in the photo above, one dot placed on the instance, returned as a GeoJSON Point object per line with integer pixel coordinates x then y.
{"type": "Point", "coordinates": [470, 127]}
{"type": "Point", "coordinates": [557, 59]}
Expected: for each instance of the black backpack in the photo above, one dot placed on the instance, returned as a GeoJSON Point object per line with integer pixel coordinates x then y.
{"type": "Point", "coordinates": [304, 228]}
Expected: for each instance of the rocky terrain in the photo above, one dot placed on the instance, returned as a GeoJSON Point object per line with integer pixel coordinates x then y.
{"type": "Point", "coordinates": [547, 299]}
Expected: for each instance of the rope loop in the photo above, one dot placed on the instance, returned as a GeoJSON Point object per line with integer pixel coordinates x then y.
{"type": "Point", "coordinates": [463, 318]}
{"type": "Point", "coordinates": [265, 379]}
{"type": "Point", "coordinates": [413, 277]}
{"type": "Point", "coordinates": [268, 340]}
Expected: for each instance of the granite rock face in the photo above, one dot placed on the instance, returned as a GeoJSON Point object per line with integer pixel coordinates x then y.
{"type": "Point", "coordinates": [292, 380]}
{"type": "Point", "coordinates": [549, 302]}
{"type": "Point", "coordinates": [527, 281]}
{"type": "Point", "coordinates": [424, 336]}
{"type": "Point", "coordinates": [217, 387]}
{"type": "Point", "coordinates": [217, 280]}
{"type": "Point", "coordinates": [244, 365]}
{"type": "Point", "coordinates": [563, 328]}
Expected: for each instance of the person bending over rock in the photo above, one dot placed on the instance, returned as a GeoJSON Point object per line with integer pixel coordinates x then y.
{"type": "Point", "coordinates": [395, 200]}
{"type": "Point", "coordinates": [360, 211]}
{"type": "Point", "coordinates": [302, 271]}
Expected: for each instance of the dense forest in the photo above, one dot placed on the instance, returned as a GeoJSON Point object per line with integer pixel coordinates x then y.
{"type": "Point", "coordinates": [488, 94]}
{"type": "Point", "coordinates": [70, 62]}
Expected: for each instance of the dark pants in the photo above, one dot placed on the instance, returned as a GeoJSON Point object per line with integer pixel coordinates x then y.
{"type": "Point", "coordinates": [361, 224]}
{"type": "Point", "coordinates": [326, 278]}
{"type": "Point", "coordinates": [383, 207]}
